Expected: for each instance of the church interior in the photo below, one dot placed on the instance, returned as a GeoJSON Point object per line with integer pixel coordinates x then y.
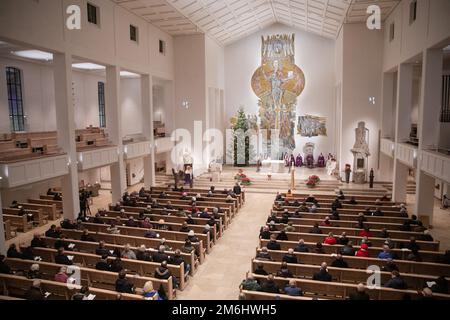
{"type": "Point", "coordinates": [224, 150]}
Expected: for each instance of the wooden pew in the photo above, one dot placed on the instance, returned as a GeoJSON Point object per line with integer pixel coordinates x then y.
{"type": "Point", "coordinates": [377, 242]}
{"type": "Point", "coordinates": [347, 217]}
{"type": "Point", "coordinates": [327, 197]}
{"type": "Point", "coordinates": [351, 231]}
{"type": "Point", "coordinates": [258, 295]}
{"type": "Point", "coordinates": [429, 256]}
{"type": "Point", "coordinates": [48, 200]}
{"type": "Point", "coordinates": [38, 216]}
{"type": "Point", "coordinates": [49, 210]}
{"type": "Point", "coordinates": [89, 260]}
{"type": "Point", "coordinates": [343, 290]}
{"type": "Point", "coordinates": [139, 232]}
{"type": "Point", "coordinates": [90, 247]}
{"type": "Point", "coordinates": [215, 197]}
{"type": "Point", "coordinates": [175, 226]}
{"type": "Point", "coordinates": [430, 268]}
{"type": "Point", "coordinates": [18, 286]}
{"type": "Point", "coordinates": [136, 241]}
{"type": "Point", "coordinates": [19, 222]}
{"type": "Point", "coordinates": [133, 211]}
{"type": "Point", "coordinates": [324, 208]}
{"type": "Point", "coordinates": [199, 190]}
{"type": "Point", "coordinates": [344, 275]}
{"type": "Point", "coordinates": [94, 278]}
{"type": "Point", "coordinates": [9, 230]}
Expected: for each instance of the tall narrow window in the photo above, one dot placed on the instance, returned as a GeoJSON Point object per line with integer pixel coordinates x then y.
{"type": "Point", "coordinates": [133, 33]}
{"type": "Point", "coordinates": [101, 104]}
{"type": "Point", "coordinates": [412, 11]}
{"type": "Point", "coordinates": [15, 101]}
{"type": "Point", "coordinates": [162, 47]}
{"type": "Point", "coordinates": [92, 14]}
{"type": "Point", "coordinates": [391, 32]}
{"type": "Point", "coordinates": [445, 109]}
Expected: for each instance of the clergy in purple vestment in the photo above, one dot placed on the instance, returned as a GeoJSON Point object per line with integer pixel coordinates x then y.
{"type": "Point", "coordinates": [299, 161]}
{"type": "Point", "coordinates": [310, 160]}
{"type": "Point", "coordinates": [321, 161]}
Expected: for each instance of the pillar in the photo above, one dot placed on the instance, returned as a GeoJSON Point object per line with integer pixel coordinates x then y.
{"type": "Point", "coordinates": [428, 129]}
{"type": "Point", "coordinates": [2, 230]}
{"type": "Point", "coordinates": [114, 126]}
{"type": "Point", "coordinates": [65, 123]}
{"type": "Point", "coordinates": [147, 127]}
{"type": "Point", "coordinates": [402, 128]}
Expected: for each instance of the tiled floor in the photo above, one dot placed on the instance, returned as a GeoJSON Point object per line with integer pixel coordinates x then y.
{"type": "Point", "coordinates": [219, 277]}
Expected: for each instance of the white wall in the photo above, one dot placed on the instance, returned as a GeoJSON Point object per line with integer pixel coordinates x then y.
{"type": "Point", "coordinates": [315, 55]}
{"type": "Point", "coordinates": [130, 96]}
{"type": "Point", "coordinates": [362, 65]}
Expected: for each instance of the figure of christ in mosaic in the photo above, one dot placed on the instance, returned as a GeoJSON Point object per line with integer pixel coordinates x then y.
{"type": "Point", "coordinates": [278, 82]}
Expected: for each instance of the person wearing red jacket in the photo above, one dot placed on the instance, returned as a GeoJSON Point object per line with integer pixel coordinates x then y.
{"type": "Point", "coordinates": [330, 239]}
{"type": "Point", "coordinates": [365, 233]}
{"type": "Point", "coordinates": [363, 251]}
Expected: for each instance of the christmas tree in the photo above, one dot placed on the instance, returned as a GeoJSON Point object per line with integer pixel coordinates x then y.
{"type": "Point", "coordinates": [241, 151]}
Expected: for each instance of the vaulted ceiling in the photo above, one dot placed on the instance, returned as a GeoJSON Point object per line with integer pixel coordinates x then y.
{"type": "Point", "coordinates": [229, 20]}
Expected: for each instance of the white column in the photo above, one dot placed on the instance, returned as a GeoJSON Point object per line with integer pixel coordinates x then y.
{"type": "Point", "coordinates": [114, 126]}
{"type": "Point", "coordinates": [428, 129]}
{"type": "Point", "coordinates": [65, 123]}
{"type": "Point", "coordinates": [2, 230]}
{"type": "Point", "coordinates": [147, 127]}
{"type": "Point", "coordinates": [402, 128]}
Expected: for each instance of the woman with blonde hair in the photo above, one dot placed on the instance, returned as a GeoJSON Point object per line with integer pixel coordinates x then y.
{"type": "Point", "coordinates": [149, 293]}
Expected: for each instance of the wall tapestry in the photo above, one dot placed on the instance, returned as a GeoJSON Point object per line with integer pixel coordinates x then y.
{"type": "Point", "coordinates": [312, 126]}
{"type": "Point", "coordinates": [277, 83]}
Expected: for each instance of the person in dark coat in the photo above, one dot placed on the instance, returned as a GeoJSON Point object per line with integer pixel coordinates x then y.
{"type": "Point", "coordinates": [38, 242]}
{"type": "Point", "coordinates": [323, 274]}
{"type": "Point", "coordinates": [53, 232]}
{"type": "Point", "coordinates": [13, 252]}
{"type": "Point", "coordinates": [360, 293]}
{"type": "Point", "coordinates": [282, 236]}
{"type": "Point", "coordinates": [103, 264]}
{"type": "Point", "coordinates": [396, 282]}
{"type": "Point", "coordinates": [339, 262]}
{"type": "Point", "coordinates": [260, 270]}
{"type": "Point", "coordinates": [273, 244]}
{"type": "Point", "coordinates": [123, 285]}
{"type": "Point", "coordinates": [290, 257]}
{"type": "Point", "coordinates": [284, 271]}
{"type": "Point", "coordinates": [101, 250]}
{"type": "Point", "coordinates": [61, 258]}
{"type": "Point", "coordinates": [160, 256]}
{"type": "Point", "coordinates": [35, 292]}
{"type": "Point", "coordinates": [237, 189]}
{"type": "Point", "coordinates": [4, 268]}
{"type": "Point", "coordinates": [263, 255]}
{"type": "Point", "coordinates": [315, 229]}
{"type": "Point", "coordinates": [269, 285]}
{"type": "Point", "coordinates": [301, 247]}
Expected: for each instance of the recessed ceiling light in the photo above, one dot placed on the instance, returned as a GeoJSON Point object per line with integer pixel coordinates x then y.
{"type": "Point", "coordinates": [34, 54]}
{"type": "Point", "coordinates": [88, 66]}
{"type": "Point", "coordinates": [129, 74]}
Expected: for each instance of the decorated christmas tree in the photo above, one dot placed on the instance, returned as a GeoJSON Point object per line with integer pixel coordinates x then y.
{"type": "Point", "coordinates": [241, 151]}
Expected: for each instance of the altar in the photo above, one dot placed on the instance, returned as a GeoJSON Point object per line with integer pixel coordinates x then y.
{"type": "Point", "coordinates": [275, 166]}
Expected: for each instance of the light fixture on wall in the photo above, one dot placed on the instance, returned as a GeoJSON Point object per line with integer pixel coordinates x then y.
{"type": "Point", "coordinates": [88, 66]}
{"type": "Point", "coordinates": [129, 74]}
{"type": "Point", "coordinates": [185, 104]}
{"type": "Point", "coordinates": [34, 54]}
{"type": "Point", "coordinates": [372, 100]}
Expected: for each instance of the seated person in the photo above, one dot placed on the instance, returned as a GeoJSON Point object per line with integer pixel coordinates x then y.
{"type": "Point", "coordinates": [341, 195]}
{"type": "Point", "coordinates": [348, 250]}
{"type": "Point", "coordinates": [384, 233]}
{"type": "Point", "coordinates": [339, 262]}
{"type": "Point", "coordinates": [123, 285]}
{"type": "Point", "coordinates": [163, 272]}
{"type": "Point", "coordinates": [142, 254]}
{"type": "Point", "coordinates": [363, 252]}
{"type": "Point", "coordinates": [323, 274]}
{"type": "Point", "coordinates": [315, 229]}
{"type": "Point", "coordinates": [13, 252]}
{"type": "Point", "coordinates": [389, 266]}
{"type": "Point", "coordinates": [103, 264]}
{"type": "Point", "coordinates": [290, 256]}
{"type": "Point", "coordinates": [87, 237]}
{"type": "Point", "coordinates": [127, 253]}
{"type": "Point", "coordinates": [35, 292]}
{"type": "Point", "coordinates": [292, 289]}
{"type": "Point", "coordinates": [62, 258]}
{"type": "Point", "coordinates": [38, 242]}
{"type": "Point", "coordinates": [301, 247]}
{"type": "Point", "coordinates": [396, 282]}
{"type": "Point", "coordinates": [260, 269]}
{"type": "Point", "coordinates": [330, 239]}
{"type": "Point", "coordinates": [343, 239]}
{"type": "Point", "coordinates": [282, 236]}
{"type": "Point", "coordinates": [269, 285]}
{"type": "Point", "coordinates": [319, 248]}
{"type": "Point", "coordinates": [62, 276]}
{"type": "Point", "coordinates": [385, 254]}
{"type": "Point", "coordinates": [249, 284]}
{"type": "Point", "coordinates": [360, 293]}
{"type": "Point", "coordinates": [273, 244]}
{"type": "Point", "coordinates": [326, 222]}
{"type": "Point", "coordinates": [426, 236]}
{"type": "Point", "coordinates": [53, 232]}
{"type": "Point", "coordinates": [352, 200]}
{"type": "Point", "coordinates": [160, 255]}
{"type": "Point", "coordinates": [284, 271]}
{"type": "Point", "coordinates": [4, 268]}
{"type": "Point", "coordinates": [34, 272]}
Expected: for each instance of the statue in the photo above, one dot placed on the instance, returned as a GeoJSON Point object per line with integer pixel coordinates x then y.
{"type": "Point", "coordinates": [308, 149]}
{"type": "Point", "coordinates": [361, 153]}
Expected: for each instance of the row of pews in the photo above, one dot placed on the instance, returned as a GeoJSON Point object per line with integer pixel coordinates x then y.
{"type": "Point", "coordinates": [173, 209]}
{"type": "Point", "coordinates": [416, 255]}
{"type": "Point", "coordinates": [28, 145]}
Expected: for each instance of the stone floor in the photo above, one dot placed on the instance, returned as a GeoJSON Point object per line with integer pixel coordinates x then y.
{"type": "Point", "coordinates": [219, 277]}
